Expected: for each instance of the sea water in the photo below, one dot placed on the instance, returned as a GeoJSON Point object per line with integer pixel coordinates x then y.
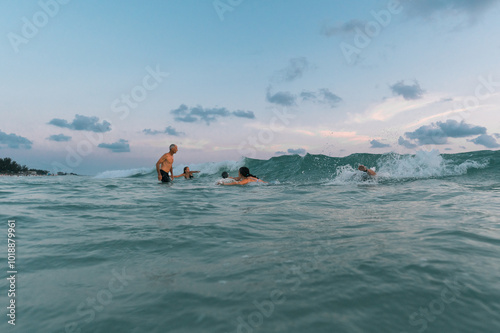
{"type": "Point", "coordinates": [321, 248]}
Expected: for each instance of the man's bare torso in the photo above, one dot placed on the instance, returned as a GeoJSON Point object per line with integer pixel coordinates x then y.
{"type": "Point", "coordinates": [166, 162]}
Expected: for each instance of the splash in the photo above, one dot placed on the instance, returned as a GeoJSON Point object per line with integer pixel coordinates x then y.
{"type": "Point", "coordinates": [424, 164]}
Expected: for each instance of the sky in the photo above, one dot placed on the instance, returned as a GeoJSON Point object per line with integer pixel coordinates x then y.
{"type": "Point", "coordinates": [89, 86]}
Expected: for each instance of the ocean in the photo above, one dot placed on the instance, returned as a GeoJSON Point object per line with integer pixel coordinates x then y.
{"type": "Point", "coordinates": [320, 248]}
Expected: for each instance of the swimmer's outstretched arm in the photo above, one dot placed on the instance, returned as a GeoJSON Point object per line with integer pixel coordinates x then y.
{"type": "Point", "coordinates": [368, 171]}
{"type": "Point", "coordinates": [181, 175]}
{"type": "Point", "coordinates": [242, 182]}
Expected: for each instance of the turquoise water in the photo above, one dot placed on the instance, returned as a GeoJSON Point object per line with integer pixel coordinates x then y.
{"type": "Point", "coordinates": [319, 249]}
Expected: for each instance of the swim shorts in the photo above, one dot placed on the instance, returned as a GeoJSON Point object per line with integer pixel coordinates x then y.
{"type": "Point", "coordinates": [165, 178]}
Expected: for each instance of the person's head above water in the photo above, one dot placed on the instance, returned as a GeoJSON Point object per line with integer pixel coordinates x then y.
{"type": "Point", "coordinates": [245, 172]}
{"type": "Point", "coordinates": [186, 169]}
{"type": "Point", "coordinates": [225, 175]}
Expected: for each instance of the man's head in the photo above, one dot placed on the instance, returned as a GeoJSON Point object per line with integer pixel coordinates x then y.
{"type": "Point", "coordinates": [173, 148]}
{"type": "Point", "coordinates": [225, 175]}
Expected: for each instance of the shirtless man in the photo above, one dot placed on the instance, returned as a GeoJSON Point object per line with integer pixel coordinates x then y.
{"type": "Point", "coordinates": [166, 162]}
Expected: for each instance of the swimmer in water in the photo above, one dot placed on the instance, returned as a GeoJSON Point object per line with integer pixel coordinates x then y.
{"type": "Point", "coordinates": [244, 177]}
{"type": "Point", "coordinates": [187, 173]}
{"type": "Point", "coordinates": [370, 172]}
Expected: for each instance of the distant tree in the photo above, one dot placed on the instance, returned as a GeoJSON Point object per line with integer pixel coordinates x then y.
{"type": "Point", "coordinates": [7, 165]}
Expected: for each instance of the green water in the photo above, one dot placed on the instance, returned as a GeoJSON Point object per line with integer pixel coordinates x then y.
{"type": "Point", "coordinates": [319, 249]}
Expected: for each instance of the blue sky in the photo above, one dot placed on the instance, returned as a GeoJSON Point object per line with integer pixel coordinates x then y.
{"type": "Point", "coordinates": [89, 86]}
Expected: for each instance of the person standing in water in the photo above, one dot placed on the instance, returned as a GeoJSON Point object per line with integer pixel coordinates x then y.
{"type": "Point", "coordinates": [370, 172]}
{"type": "Point", "coordinates": [244, 177]}
{"type": "Point", "coordinates": [187, 173]}
{"type": "Point", "coordinates": [164, 165]}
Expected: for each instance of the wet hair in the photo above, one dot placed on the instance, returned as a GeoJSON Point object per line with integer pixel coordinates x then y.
{"type": "Point", "coordinates": [172, 146]}
{"type": "Point", "coordinates": [185, 169]}
{"type": "Point", "coordinates": [245, 172]}
{"type": "Point", "coordinates": [225, 175]}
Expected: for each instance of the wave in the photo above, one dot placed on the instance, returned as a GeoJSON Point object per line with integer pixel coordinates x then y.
{"type": "Point", "coordinates": [310, 169]}
{"type": "Point", "coordinates": [209, 168]}
{"type": "Point", "coordinates": [125, 173]}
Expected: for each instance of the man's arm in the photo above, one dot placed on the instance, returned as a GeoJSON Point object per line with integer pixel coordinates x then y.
{"type": "Point", "coordinates": [160, 161]}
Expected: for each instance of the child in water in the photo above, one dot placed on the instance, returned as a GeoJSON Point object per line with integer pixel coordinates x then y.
{"type": "Point", "coordinates": [187, 173]}
{"type": "Point", "coordinates": [244, 177]}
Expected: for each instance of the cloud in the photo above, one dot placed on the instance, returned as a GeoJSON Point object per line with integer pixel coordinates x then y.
{"type": "Point", "coordinates": [121, 146]}
{"type": "Point", "coordinates": [330, 97]}
{"type": "Point", "coordinates": [378, 144]}
{"type": "Point", "coordinates": [308, 96]}
{"type": "Point", "coordinates": [438, 133]}
{"type": "Point", "coordinates": [83, 123]}
{"type": "Point", "coordinates": [280, 152]}
{"type": "Point", "coordinates": [299, 151]}
{"type": "Point", "coordinates": [428, 8]}
{"type": "Point", "coordinates": [486, 140]}
{"type": "Point", "coordinates": [454, 129]}
{"type": "Point", "coordinates": [448, 149]}
{"type": "Point", "coordinates": [409, 92]}
{"type": "Point", "coordinates": [343, 28]}
{"type": "Point", "coordinates": [322, 96]}
{"type": "Point", "coordinates": [169, 130]}
{"type": "Point", "coordinates": [497, 135]}
{"type": "Point", "coordinates": [244, 114]}
{"type": "Point", "coordinates": [59, 138]}
{"type": "Point", "coordinates": [406, 143]}
{"type": "Point", "coordinates": [208, 115]}
{"type": "Point", "coordinates": [14, 141]}
{"type": "Point", "coordinates": [281, 98]}
{"type": "Point", "coordinates": [294, 70]}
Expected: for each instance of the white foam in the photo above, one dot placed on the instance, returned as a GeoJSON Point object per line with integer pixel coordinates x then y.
{"type": "Point", "coordinates": [348, 175]}
{"type": "Point", "coordinates": [424, 164]}
{"type": "Point", "coordinates": [124, 173]}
